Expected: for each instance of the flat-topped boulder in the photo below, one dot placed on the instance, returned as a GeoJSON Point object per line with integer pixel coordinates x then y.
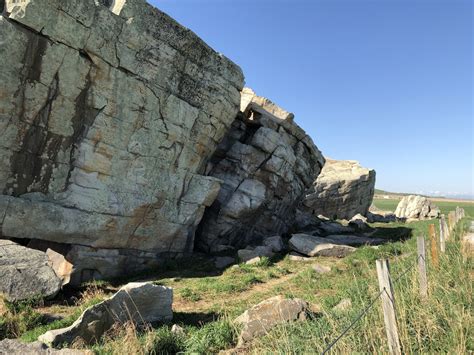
{"type": "Point", "coordinates": [310, 245]}
{"type": "Point", "coordinates": [416, 207]}
{"type": "Point", "coordinates": [343, 189]}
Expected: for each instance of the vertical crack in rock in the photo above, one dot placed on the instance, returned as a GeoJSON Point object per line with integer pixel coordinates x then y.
{"type": "Point", "coordinates": [84, 117]}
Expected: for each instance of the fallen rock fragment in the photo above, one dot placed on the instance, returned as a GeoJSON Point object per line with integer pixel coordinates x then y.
{"type": "Point", "coordinates": [275, 243]}
{"type": "Point", "coordinates": [321, 269]}
{"type": "Point", "coordinates": [247, 254]}
{"type": "Point", "coordinates": [254, 261]}
{"type": "Point", "coordinates": [259, 319]}
{"type": "Point", "coordinates": [140, 302]}
{"type": "Point", "coordinates": [177, 330]}
{"type": "Point", "coordinates": [381, 217]}
{"type": "Point", "coordinates": [316, 246]}
{"type": "Point", "coordinates": [25, 273]}
{"type": "Point", "coordinates": [15, 347]}
{"type": "Point", "coordinates": [359, 222]}
{"type": "Point", "coordinates": [298, 257]}
{"type": "Point", "coordinates": [344, 305]}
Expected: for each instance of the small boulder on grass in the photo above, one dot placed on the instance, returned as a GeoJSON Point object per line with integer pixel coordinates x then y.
{"type": "Point", "coordinates": [15, 347]}
{"type": "Point", "coordinates": [259, 319]}
{"type": "Point", "coordinates": [344, 305]}
{"type": "Point", "coordinates": [321, 269]}
{"type": "Point", "coordinates": [137, 302]}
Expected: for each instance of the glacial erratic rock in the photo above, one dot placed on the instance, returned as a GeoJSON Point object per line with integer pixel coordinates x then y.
{"type": "Point", "coordinates": [109, 115]}
{"type": "Point", "coordinates": [262, 317]}
{"type": "Point", "coordinates": [26, 273]}
{"type": "Point", "coordinates": [266, 163]}
{"type": "Point", "coordinates": [416, 207]}
{"type": "Point", "coordinates": [342, 190]}
{"type": "Point", "coordinates": [137, 302]}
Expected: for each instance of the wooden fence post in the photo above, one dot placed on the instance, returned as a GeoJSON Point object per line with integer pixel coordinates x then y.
{"type": "Point", "coordinates": [445, 227]}
{"type": "Point", "coordinates": [433, 246]}
{"type": "Point", "coordinates": [442, 238]}
{"type": "Point", "coordinates": [420, 242]}
{"type": "Point", "coordinates": [388, 306]}
{"type": "Point", "coordinates": [451, 221]}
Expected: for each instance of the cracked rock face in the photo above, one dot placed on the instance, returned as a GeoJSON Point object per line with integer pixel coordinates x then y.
{"type": "Point", "coordinates": [267, 162]}
{"type": "Point", "coordinates": [109, 112]}
{"type": "Point", "coordinates": [342, 190]}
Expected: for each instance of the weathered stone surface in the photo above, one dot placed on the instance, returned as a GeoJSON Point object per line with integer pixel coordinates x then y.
{"type": "Point", "coordinates": [416, 207]}
{"type": "Point", "coordinates": [334, 228]}
{"type": "Point", "coordinates": [275, 242]}
{"type": "Point", "coordinates": [259, 319]}
{"type": "Point", "coordinates": [359, 222]}
{"type": "Point", "coordinates": [342, 190]}
{"type": "Point", "coordinates": [15, 347]}
{"type": "Point", "coordinates": [381, 217]}
{"type": "Point", "coordinates": [81, 263]}
{"type": "Point", "coordinates": [266, 162]}
{"type": "Point", "coordinates": [136, 302]}
{"type": "Point", "coordinates": [25, 273]}
{"type": "Point", "coordinates": [108, 117]}
{"type": "Point", "coordinates": [251, 253]}
{"type": "Point", "coordinates": [254, 261]}
{"type": "Point", "coordinates": [321, 269]}
{"type": "Point", "coordinates": [353, 240]}
{"type": "Point", "coordinates": [344, 305]}
{"type": "Point", "coordinates": [316, 246]}
{"type": "Point", "coordinates": [293, 256]}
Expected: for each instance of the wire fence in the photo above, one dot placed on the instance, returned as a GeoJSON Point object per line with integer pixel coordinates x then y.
{"type": "Point", "coordinates": [445, 232]}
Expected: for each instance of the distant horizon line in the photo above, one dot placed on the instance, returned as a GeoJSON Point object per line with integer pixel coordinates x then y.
{"type": "Point", "coordinates": [435, 194]}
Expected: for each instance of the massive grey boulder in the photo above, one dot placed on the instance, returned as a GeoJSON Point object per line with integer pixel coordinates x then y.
{"type": "Point", "coordinates": [136, 302]}
{"type": "Point", "coordinates": [342, 190]}
{"type": "Point", "coordinates": [108, 116]}
{"type": "Point", "coordinates": [25, 273]}
{"type": "Point", "coordinates": [416, 207]}
{"type": "Point", "coordinates": [267, 163]}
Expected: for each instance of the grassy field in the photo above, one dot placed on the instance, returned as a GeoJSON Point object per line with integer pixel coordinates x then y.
{"type": "Point", "coordinates": [205, 303]}
{"type": "Point", "coordinates": [445, 206]}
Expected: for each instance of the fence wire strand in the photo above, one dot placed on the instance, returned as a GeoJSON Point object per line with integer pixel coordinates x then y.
{"type": "Point", "coordinates": [371, 303]}
{"type": "Point", "coordinates": [359, 317]}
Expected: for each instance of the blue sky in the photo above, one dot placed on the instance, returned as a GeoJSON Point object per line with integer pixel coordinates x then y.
{"type": "Point", "coordinates": [385, 82]}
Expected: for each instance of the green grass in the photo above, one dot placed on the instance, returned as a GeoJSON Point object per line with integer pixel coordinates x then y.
{"type": "Point", "coordinates": [444, 206]}
{"type": "Point", "coordinates": [205, 305]}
